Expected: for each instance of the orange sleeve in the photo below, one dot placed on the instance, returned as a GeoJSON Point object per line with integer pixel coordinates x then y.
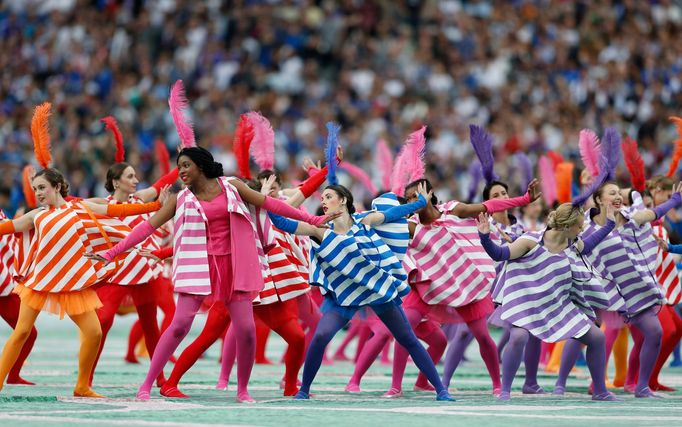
{"type": "Point", "coordinates": [128, 209]}
{"type": "Point", "coordinates": [6, 227]}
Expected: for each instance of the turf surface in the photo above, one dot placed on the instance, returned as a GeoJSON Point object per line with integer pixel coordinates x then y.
{"type": "Point", "coordinates": [53, 366]}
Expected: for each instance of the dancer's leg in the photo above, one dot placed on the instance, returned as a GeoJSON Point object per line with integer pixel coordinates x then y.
{"type": "Point", "coordinates": [572, 350]}
{"type": "Point", "coordinates": [91, 337]}
{"type": "Point", "coordinates": [511, 359]}
{"type": "Point", "coordinates": [241, 312]}
{"type": "Point", "coordinates": [431, 333]}
{"type": "Point", "coordinates": [487, 348]}
{"type": "Point", "coordinates": [187, 308]}
{"type": "Point", "coordinates": [111, 297]}
{"type": "Point", "coordinates": [650, 327]}
{"type": "Point", "coordinates": [672, 332]}
{"type": "Point", "coordinates": [368, 355]}
{"type": "Point", "coordinates": [262, 334]}
{"type": "Point", "coordinates": [596, 361]}
{"type": "Point", "coordinates": [400, 354]}
{"type": "Point", "coordinates": [531, 360]}
{"type": "Point", "coordinates": [16, 340]}
{"type": "Point", "coordinates": [294, 336]}
{"type": "Point", "coordinates": [9, 311]}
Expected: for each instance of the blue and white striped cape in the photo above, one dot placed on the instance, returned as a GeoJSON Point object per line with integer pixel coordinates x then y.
{"type": "Point", "coordinates": [363, 266]}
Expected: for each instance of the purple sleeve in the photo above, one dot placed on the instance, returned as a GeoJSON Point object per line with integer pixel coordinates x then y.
{"type": "Point", "coordinates": [590, 242]}
{"type": "Point", "coordinates": [497, 253]}
{"type": "Point", "coordinates": [675, 201]}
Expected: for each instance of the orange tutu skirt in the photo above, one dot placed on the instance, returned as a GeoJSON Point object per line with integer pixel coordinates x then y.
{"type": "Point", "coordinates": [71, 303]}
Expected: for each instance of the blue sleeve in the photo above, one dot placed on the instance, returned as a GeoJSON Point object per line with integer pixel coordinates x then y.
{"type": "Point", "coordinates": [397, 212]}
{"type": "Point", "coordinates": [497, 253]}
{"type": "Point", "coordinates": [675, 249]}
{"type": "Point", "coordinates": [285, 224]}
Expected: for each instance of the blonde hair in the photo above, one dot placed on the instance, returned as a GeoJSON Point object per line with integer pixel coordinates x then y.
{"type": "Point", "coordinates": [564, 216]}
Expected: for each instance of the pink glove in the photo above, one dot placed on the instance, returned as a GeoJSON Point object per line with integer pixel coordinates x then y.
{"type": "Point", "coordinates": [499, 205]}
{"type": "Point", "coordinates": [138, 235]}
{"type": "Point", "coordinates": [280, 208]}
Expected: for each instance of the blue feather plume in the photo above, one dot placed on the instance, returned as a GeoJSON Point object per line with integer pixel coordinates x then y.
{"type": "Point", "coordinates": [330, 151]}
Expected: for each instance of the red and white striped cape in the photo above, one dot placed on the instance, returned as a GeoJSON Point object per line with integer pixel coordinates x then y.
{"type": "Point", "coordinates": [666, 270]}
{"type": "Point", "coordinates": [136, 269]}
{"type": "Point", "coordinates": [6, 261]}
{"type": "Point", "coordinates": [453, 269]}
{"type": "Point", "coordinates": [286, 280]}
{"type": "Point", "coordinates": [54, 260]}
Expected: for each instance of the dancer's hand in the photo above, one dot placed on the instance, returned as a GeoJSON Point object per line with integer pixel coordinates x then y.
{"type": "Point", "coordinates": [534, 190]}
{"type": "Point", "coordinates": [147, 253]}
{"type": "Point", "coordinates": [96, 257]}
{"type": "Point", "coordinates": [483, 223]}
{"type": "Point", "coordinates": [164, 194]}
{"type": "Point", "coordinates": [323, 219]}
{"type": "Point", "coordinates": [611, 212]}
{"type": "Point", "coordinates": [266, 184]}
{"type": "Point", "coordinates": [662, 244]}
{"type": "Point", "coordinates": [421, 189]}
{"type": "Point", "coordinates": [309, 164]}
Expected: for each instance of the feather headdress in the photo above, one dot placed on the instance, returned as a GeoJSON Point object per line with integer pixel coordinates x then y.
{"type": "Point", "coordinates": [547, 180]}
{"type": "Point", "coordinates": [162, 156]}
{"type": "Point", "coordinates": [677, 153]}
{"type": "Point", "coordinates": [610, 153]}
{"type": "Point", "coordinates": [330, 151]}
{"type": "Point", "coordinates": [263, 144]}
{"type": "Point", "coordinates": [178, 103]}
{"type": "Point", "coordinates": [110, 123]}
{"type": "Point", "coordinates": [476, 174]}
{"type": "Point", "coordinates": [243, 135]}
{"type": "Point", "coordinates": [564, 178]}
{"type": "Point", "coordinates": [482, 142]}
{"type": "Point", "coordinates": [590, 150]}
{"type": "Point", "coordinates": [384, 164]}
{"type": "Point", "coordinates": [26, 177]}
{"type": "Point", "coordinates": [634, 164]}
{"type": "Point", "coordinates": [40, 132]}
{"type": "Point", "coordinates": [526, 168]}
{"type": "Point", "coordinates": [359, 175]}
{"type": "Point", "coordinates": [409, 165]}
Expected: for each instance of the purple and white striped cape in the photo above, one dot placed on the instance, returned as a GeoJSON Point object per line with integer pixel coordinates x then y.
{"type": "Point", "coordinates": [536, 294]}
{"type": "Point", "coordinates": [627, 258]}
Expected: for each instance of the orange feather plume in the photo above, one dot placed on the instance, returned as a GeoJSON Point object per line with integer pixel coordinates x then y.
{"type": "Point", "coordinates": [564, 181]}
{"type": "Point", "coordinates": [40, 131]}
{"type": "Point", "coordinates": [677, 153]}
{"type": "Point", "coordinates": [26, 178]}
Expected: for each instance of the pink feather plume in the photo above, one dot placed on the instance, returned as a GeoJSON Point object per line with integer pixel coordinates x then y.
{"type": "Point", "coordinates": [547, 180]}
{"type": "Point", "coordinates": [263, 143]}
{"type": "Point", "coordinates": [178, 103]}
{"type": "Point", "coordinates": [590, 150]}
{"type": "Point", "coordinates": [409, 165]}
{"type": "Point", "coordinates": [384, 163]}
{"type": "Point", "coordinates": [360, 175]}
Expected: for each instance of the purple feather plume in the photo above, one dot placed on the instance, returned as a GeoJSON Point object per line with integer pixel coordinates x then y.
{"type": "Point", "coordinates": [611, 153]}
{"type": "Point", "coordinates": [482, 142]}
{"type": "Point", "coordinates": [476, 174]}
{"type": "Point", "coordinates": [526, 168]}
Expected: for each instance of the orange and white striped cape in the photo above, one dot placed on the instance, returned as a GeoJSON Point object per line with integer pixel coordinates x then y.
{"type": "Point", "coordinates": [136, 269]}
{"type": "Point", "coordinates": [54, 260]}
{"type": "Point", "coordinates": [666, 270]}
{"type": "Point", "coordinates": [6, 261]}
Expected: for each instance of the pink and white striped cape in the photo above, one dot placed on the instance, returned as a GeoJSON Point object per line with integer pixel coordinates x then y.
{"type": "Point", "coordinates": [666, 270]}
{"type": "Point", "coordinates": [135, 269]}
{"type": "Point", "coordinates": [6, 261]}
{"type": "Point", "coordinates": [452, 268]}
{"type": "Point", "coordinates": [190, 260]}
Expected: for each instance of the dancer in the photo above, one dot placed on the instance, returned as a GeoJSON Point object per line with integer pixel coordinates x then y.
{"type": "Point", "coordinates": [55, 277]}
{"type": "Point", "coordinates": [337, 257]}
{"type": "Point", "coordinates": [536, 296]}
{"type": "Point", "coordinates": [137, 276]}
{"type": "Point", "coordinates": [627, 258]}
{"type": "Point", "coordinates": [205, 268]}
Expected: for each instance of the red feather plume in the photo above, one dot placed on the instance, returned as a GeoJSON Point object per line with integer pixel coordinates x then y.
{"type": "Point", "coordinates": [634, 163]}
{"type": "Point", "coordinates": [110, 123]}
{"type": "Point", "coordinates": [162, 156]}
{"type": "Point", "coordinates": [243, 135]}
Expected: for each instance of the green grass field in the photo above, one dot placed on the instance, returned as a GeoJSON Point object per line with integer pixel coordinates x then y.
{"type": "Point", "coordinates": [53, 366]}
